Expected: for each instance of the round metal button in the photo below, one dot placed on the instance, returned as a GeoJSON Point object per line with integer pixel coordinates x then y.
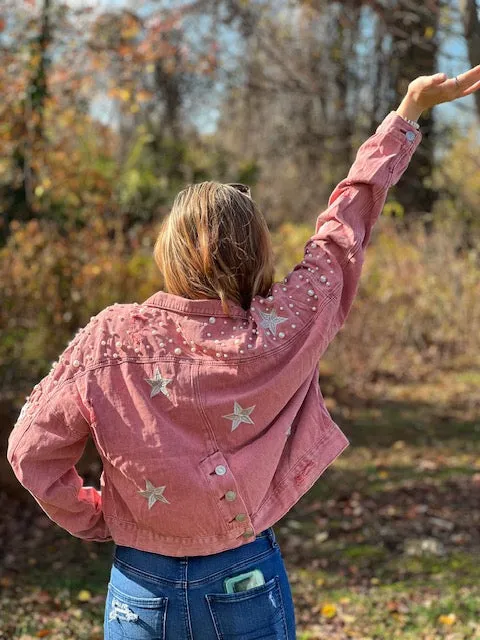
{"type": "Point", "coordinates": [220, 470]}
{"type": "Point", "coordinates": [247, 533]}
{"type": "Point", "coordinates": [240, 517]}
{"type": "Point", "coordinates": [410, 136]}
{"type": "Point", "coordinates": [230, 495]}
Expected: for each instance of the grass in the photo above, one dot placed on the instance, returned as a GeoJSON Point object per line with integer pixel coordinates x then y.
{"type": "Point", "coordinates": [352, 545]}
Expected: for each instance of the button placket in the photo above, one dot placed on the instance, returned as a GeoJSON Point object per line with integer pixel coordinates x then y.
{"type": "Point", "coordinates": [225, 490]}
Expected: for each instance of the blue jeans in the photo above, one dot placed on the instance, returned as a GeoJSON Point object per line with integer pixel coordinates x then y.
{"type": "Point", "coordinates": [156, 597]}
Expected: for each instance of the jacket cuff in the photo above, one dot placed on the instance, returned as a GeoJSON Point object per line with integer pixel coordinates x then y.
{"type": "Point", "coordinates": [394, 122]}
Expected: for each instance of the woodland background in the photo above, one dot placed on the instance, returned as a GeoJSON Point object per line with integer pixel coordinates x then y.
{"type": "Point", "coordinates": [107, 110]}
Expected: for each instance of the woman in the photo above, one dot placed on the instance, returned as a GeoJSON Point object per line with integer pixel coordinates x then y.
{"type": "Point", "coordinates": [204, 402]}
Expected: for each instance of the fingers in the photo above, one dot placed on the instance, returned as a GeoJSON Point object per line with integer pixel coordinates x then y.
{"type": "Point", "coordinates": [471, 89]}
{"type": "Point", "coordinates": [449, 86]}
{"type": "Point", "coordinates": [467, 78]}
{"type": "Point", "coordinates": [438, 88]}
{"type": "Point", "coordinates": [438, 78]}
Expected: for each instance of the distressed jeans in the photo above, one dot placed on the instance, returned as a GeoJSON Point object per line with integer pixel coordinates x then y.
{"type": "Point", "coordinates": [156, 597]}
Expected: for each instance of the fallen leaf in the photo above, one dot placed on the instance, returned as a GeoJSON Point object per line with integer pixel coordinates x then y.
{"type": "Point", "coordinates": [328, 610]}
{"type": "Point", "coordinates": [447, 619]}
{"type": "Point", "coordinates": [348, 618]}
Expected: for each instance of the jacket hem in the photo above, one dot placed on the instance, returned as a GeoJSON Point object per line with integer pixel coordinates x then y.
{"type": "Point", "coordinates": [287, 493]}
{"type": "Point", "coordinates": [128, 534]}
{"type": "Point", "coordinates": [283, 498]}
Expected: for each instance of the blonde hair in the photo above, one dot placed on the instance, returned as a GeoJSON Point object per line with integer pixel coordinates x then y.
{"type": "Point", "coordinates": [215, 243]}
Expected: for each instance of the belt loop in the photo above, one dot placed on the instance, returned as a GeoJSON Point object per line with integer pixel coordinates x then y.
{"type": "Point", "coordinates": [271, 535]}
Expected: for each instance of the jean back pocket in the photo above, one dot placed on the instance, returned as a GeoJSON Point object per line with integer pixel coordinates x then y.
{"type": "Point", "coordinates": [134, 618]}
{"type": "Point", "coordinates": [255, 613]}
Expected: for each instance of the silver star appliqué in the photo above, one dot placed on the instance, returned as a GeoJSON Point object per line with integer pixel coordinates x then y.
{"type": "Point", "coordinates": [158, 384]}
{"type": "Point", "coordinates": [270, 320]}
{"type": "Point", "coordinates": [240, 415]}
{"type": "Point", "coordinates": [153, 494]}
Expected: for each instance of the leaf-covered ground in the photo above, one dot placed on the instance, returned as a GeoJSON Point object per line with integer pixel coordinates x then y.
{"type": "Point", "coordinates": [385, 545]}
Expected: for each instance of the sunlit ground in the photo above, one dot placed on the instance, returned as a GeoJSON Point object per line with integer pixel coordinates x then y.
{"type": "Point", "coordinates": [385, 545]}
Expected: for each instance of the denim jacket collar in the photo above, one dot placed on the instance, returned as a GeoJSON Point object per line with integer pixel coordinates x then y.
{"type": "Point", "coordinates": [204, 306]}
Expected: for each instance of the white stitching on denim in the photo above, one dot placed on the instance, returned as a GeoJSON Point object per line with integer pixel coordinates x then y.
{"type": "Point", "coordinates": [121, 611]}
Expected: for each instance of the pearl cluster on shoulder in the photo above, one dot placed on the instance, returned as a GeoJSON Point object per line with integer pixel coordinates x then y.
{"type": "Point", "coordinates": [146, 331]}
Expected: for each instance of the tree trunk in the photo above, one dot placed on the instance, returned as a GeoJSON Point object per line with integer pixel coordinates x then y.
{"type": "Point", "coordinates": [471, 27]}
{"type": "Point", "coordinates": [414, 30]}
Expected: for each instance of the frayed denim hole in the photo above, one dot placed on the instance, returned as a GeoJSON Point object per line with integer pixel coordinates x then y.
{"type": "Point", "coordinates": [121, 611]}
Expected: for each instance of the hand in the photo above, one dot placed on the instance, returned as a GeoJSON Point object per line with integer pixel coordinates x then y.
{"type": "Point", "coordinates": [427, 91]}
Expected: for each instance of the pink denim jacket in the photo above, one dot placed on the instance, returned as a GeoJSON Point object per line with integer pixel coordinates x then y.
{"type": "Point", "coordinates": [210, 428]}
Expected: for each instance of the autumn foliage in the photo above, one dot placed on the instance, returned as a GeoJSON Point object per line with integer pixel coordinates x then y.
{"type": "Point", "coordinates": [96, 140]}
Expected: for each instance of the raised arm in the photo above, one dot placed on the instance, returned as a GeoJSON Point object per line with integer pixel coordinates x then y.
{"type": "Point", "coordinates": [344, 229]}
{"type": "Point", "coordinates": [314, 299]}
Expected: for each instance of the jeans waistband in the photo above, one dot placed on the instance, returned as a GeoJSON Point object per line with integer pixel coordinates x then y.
{"type": "Point", "coordinates": [194, 569]}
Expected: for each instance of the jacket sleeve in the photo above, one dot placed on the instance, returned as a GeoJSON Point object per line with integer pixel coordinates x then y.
{"type": "Point", "coordinates": [47, 441]}
{"type": "Point", "coordinates": [315, 298]}
{"type": "Point", "coordinates": [343, 230]}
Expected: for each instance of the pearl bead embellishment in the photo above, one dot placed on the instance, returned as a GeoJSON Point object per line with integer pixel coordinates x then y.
{"type": "Point", "coordinates": [323, 278]}
{"type": "Point", "coordinates": [178, 351]}
{"type": "Point", "coordinates": [211, 320]}
{"type": "Point", "coordinates": [310, 292]}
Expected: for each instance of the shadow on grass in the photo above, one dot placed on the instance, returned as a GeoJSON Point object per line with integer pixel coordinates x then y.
{"type": "Point", "coordinates": [399, 508]}
{"type": "Point", "coordinates": [415, 423]}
